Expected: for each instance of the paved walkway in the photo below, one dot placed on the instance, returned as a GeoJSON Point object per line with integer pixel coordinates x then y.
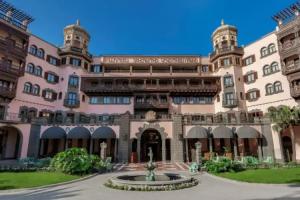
{"type": "Point", "coordinates": [178, 166]}
{"type": "Point", "coordinates": [210, 188]}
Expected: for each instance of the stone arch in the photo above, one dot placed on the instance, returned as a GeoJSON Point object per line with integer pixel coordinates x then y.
{"type": "Point", "coordinates": [18, 141]}
{"type": "Point", "coordinates": [160, 130]}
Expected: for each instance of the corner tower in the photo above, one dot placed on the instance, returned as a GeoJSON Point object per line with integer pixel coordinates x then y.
{"type": "Point", "coordinates": [227, 61]}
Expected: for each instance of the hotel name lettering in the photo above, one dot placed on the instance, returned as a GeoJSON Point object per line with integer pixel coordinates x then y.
{"type": "Point", "coordinates": [151, 60]}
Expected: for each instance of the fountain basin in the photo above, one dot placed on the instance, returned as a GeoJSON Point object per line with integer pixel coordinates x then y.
{"type": "Point", "coordinates": [163, 182]}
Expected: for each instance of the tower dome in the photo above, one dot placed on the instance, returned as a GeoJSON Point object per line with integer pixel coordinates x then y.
{"type": "Point", "coordinates": [224, 36]}
{"type": "Point", "coordinates": [76, 36]}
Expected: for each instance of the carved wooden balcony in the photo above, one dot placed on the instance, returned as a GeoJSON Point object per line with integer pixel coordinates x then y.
{"type": "Point", "coordinates": [295, 91]}
{"type": "Point", "coordinates": [291, 68]}
{"type": "Point", "coordinates": [7, 92]}
{"type": "Point", "coordinates": [225, 51]}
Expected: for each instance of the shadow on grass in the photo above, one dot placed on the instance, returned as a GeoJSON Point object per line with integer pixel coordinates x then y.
{"type": "Point", "coordinates": [50, 194]}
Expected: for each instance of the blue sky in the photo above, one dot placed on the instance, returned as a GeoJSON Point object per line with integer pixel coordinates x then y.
{"type": "Point", "coordinates": [151, 27]}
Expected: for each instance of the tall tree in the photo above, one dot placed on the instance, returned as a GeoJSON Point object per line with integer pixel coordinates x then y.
{"type": "Point", "coordinates": [284, 118]}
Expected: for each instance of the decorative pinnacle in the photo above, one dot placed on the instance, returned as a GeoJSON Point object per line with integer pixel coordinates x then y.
{"type": "Point", "coordinates": [222, 22]}
{"type": "Point", "coordinates": [77, 22]}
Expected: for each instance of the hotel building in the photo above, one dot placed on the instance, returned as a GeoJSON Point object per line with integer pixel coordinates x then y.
{"type": "Point", "coordinates": [53, 98]}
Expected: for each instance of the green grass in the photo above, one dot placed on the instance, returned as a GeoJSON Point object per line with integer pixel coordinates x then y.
{"type": "Point", "coordinates": [276, 176]}
{"type": "Point", "coordinates": [14, 180]}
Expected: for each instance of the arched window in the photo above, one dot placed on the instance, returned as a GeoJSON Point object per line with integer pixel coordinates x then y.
{"type": "Point", "coordinates": [277, 87]}
{"type": "Point", "coordinates": [264, 51]}
{"type": "Point", "coordinates": [267, 70]}
{"type": "Point", "coordinates": [27, 87]}
{"type": "Point", "coordinates": [269, 89]}
{"type": "Point", "coordinates": [275, 67]}
{"type": "Point", "coordinates": [40, 53]}
{"type": "Point", "coordinates": [30, 68]}
{"type": "Point", "coordinates": [272, 48]}
{"type": "Point", "coordinates": [38, 71]}
{"type": "Point", "coordinates": [33, 49]}
{"type": "Point", "coordinates": [36, 89]}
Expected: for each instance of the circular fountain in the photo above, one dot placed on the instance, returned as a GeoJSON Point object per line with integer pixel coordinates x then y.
{"type": "Point", "coordinates": [151, 181]}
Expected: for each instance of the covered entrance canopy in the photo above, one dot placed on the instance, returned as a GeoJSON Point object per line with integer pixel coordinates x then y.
{"type": "Point", "coordinates": [79, 133]}
{"type": "Point", "coordinates": [247, 132]}
{"type": "Point", "coordinates": [222, 132]}
{"type": "Point", "coordinates": [54, 133]}
{"type": "Point", "coordinates": [104, 132]}
{"type": "Point", "coordinates": [197, 132]}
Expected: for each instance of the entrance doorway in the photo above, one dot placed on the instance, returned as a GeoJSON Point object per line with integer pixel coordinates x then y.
{"type": "Point", "coordinates": [151, 138]}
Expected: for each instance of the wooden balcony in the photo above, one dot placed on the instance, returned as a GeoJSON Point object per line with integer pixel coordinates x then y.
{"type": "Point", "coordinates": [151, 105]}
{"type": "Point", "coordinates": [230, 103]}
{"type": "Point", "coordinates": [225, 51]}
{"type": "Point", "coordinates": [71, 103]}
{"type": "Point", "coordinates": [15, 49]}
{"type": "Point", "coordinates": [9, 117]}
{"type": "Point", "coordinates": [291, 68]}
{"type": "Point", "coordinates": [7, 92]}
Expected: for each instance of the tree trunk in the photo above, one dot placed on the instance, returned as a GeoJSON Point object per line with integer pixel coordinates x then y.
{"type": "Point", "coordinates": [293, 142]}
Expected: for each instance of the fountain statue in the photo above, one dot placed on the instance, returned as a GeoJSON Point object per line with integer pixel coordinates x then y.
{"type": "Point", "coordinates": [150, 166]}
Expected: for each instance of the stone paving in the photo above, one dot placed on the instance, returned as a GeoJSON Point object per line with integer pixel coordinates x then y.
{"type": "Point", "coordinates": [210, 188]}
{"type": "Point", "coordinates": [178, 166]}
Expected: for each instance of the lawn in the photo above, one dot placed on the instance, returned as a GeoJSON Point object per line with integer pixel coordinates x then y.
{"type": "Point", "coordinates": [14, 180]}
{"type": "Point", "coordinates": [280, 175]}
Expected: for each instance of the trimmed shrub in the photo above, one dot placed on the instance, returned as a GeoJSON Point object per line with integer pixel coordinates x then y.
{"type": "Point", "coordinates": [73, 161]}
{"type": "Point", "coordinates": [223, 164]}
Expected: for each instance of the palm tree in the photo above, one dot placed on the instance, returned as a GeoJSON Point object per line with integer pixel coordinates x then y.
{"type": "Point", "coordinates": [284, 118]}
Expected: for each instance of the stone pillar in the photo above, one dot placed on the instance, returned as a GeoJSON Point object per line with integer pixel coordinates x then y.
{"type": "Point", "coordinates": [163, 151]}
{"type": "Point", "coordinates": [116, 150]}
{"type": "Point", "coordinates": [198, 146]}
{"type": "Point", "coordinates": [187, 150]}
{"type": "Point", "coordinates": [177, 141]}
{"type": "Point", "coordinates": [259, 149]}
{"type": "Point", "coordinates": [235, 150]}
{"type": "Point", "coordinates": [210, 140]}
{"type": "Point", "coordinates": [103, 147]}
{"type": "Point", "coordinates": [139, 149]}
{"type": "Point", "coordinates": [34, 141]}
{"type": "Point", "coordinates": [124, 137]}
{"type": "Point", "coordinates": [267, 140]}
{"type": "Point", "coordinates": [91, 145]}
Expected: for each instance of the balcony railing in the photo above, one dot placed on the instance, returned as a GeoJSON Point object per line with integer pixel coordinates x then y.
{"type": "Point", "coordinates": [7, 92]}
{"type": "Point", "coordinates": [71, 103]}
{"type": "Point", "coordinates": [146, 87]}
{"type": "Point", "coordinates": [16, 48]}
{"type": "Point", "coordinates": [230, 103]}
{"type": "Point", "coordinates": [291, 68]}
{"type": "Point", "coordinates": [11, 69]}
{"type": "Point", "coordinates": [13, 22]}
{"type": "Point", "coordinates": [226, 50]}
{"type": "Point", "coordinates": [151, 105]}
{"type": "Point", "coordinates": [7, 116]}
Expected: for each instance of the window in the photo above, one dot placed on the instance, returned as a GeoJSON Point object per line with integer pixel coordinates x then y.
{"type": "Point", "coordinates": [33, 49]}
{"type": "Point", "coordinates": [110, 100]}
{"type": "Point", "coordinates": [264, 52]}
{"type": "Point", "coordinates": [249, 60]}
{"type": "Point", "coordinates": [30, 68]}
{"type": "Point", "coordinates": [27, 87]}
{"type": "Point", "coordinates": [226, 62]}
{"type": "Point", "coordinates": [229, 98]}
{"type": "Point", "coordinates": [277, 87]}
{"type": "Point", "coordinates": [40, 53]}
{"type": "Point", "coordinates": [192, 100]}
{"type": "Point", "coordinates": [272, 48]}
{"type": "Point", "coordinates": [36, 90]}
{"type": "Point", "coordinates": [275, 67]}
{"type": "Point", "coordinates": [38, 71]}
{"type": "Point", "coordinates": [228, 82]}
{"type": "Point", "coordinates": [250, 77]}
{"type": "Point", "coordinates": [72, 98]}
{"type": "Point", "coordinates": [49, 94]}
{"type": "Point", "coordinates": [64, 61]}
{"type": "Point", "coordinates": [267, 70]}
{"type": "Point", "coordinates": [253, 95]}
{"type": "Point", "coordinates": [75, 62]}
{"type": "Point", "coordinates": [269, 89]}
{"type": "Point", "coordinates": [205, 68]}
{"type": "Point", "coordinates": [96, 68]}
{"type": "Point", "coordinates": [52, 60]}
{"type": "Point", "coordinates": [51, 78]}
{"type": "Point", "coordinates": [73, 81]}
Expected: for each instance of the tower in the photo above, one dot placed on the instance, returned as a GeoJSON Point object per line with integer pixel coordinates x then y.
{"type": "Point", "coordinates": [227, 62]}
{"type": "Point", "coordinates": [76, 36]}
